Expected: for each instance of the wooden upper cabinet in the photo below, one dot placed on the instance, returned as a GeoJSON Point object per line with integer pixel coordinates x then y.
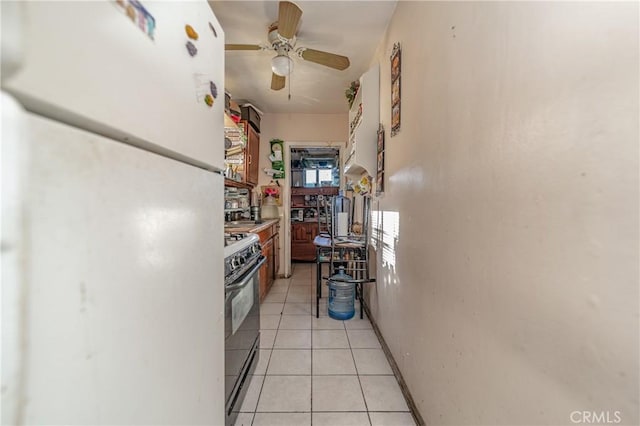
{"type": "Point", "coordinates": [252, 155]}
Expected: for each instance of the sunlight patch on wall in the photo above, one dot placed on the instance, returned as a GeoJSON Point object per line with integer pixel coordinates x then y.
{"type": "Point", "coordinates": [413, 177]}
{"type": "Point", "coordinates": [385, 232]}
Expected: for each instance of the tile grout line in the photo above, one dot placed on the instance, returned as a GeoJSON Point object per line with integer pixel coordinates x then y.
{"type": "Point", "coordinates": [311, 331]}
{"type": "Point", "coordinates": [264, 379]}
{"type": "Point", "coordinates": [366, 407]}
{"type": "Point", "coordinates": [255, 410]}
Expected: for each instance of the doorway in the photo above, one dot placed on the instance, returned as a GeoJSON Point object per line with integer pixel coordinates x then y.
{"type": "Point", "coordinates": [315, 173]}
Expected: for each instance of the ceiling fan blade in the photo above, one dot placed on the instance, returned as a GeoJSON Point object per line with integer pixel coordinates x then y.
{"type": "Point", "coordinates": [277, 82]}
{"type": "Point", "coordinates": [327, 59]}
{"type": "Point", "coordinates": [242, 47]}
{"type": "Point", "coordinates": [288, 18]}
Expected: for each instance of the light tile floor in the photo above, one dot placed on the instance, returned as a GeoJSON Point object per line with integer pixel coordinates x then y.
{"type": "Point", "coordinates": [318, 371]}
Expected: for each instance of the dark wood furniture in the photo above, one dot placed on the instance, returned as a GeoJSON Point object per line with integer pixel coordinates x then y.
{"type": "Point", "coordinates": [349, 251]}
{"type": "Point", "coordinates": [236, 184]}
{"type": "Point", "coordinates": [251, 153]}
{"type": "Point", "coordinates": [321, 190]}
{"type": "Point", "coordinates": [302, 235]}
{"type": "Point", "coordinates": [304, 232]}
{"type": "Point", "coordinates": [269, 235]}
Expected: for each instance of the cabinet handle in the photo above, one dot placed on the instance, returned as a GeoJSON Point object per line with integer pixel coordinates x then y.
{"type": "Point", "coordinates": [249, 159]}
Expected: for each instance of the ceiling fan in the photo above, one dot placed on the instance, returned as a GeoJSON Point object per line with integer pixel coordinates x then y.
{"type": "Point", "coordinates": [282, 40]}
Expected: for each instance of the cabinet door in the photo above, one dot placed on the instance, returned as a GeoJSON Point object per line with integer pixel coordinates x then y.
{"type": "Point", "coordinates": [252, 155]}
{"type": "Point", "coordinates": [266, 273]}
{"type": "Point", "coordinates": [276, 253]}
{"type": "Point", "coordinates": [299, 233]}
{"type": "Point", "coordinates": [304, 251]}
{"type": "Point", "coordinates": [270, 265]}
{"type": "Point", "coordinates": [312, 231]}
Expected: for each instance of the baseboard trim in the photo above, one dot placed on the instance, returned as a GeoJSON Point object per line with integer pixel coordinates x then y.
{"type": "Point", "coordinates": [396, 371]}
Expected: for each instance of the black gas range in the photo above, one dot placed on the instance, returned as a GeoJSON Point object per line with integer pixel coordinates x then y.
{"type": "Point", "coordinates": [242, 262]}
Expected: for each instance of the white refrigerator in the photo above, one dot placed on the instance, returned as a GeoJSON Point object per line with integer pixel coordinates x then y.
{"type": "Point", "coordinates": [112, 213]}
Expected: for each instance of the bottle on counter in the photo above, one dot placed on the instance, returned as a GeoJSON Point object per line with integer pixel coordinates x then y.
{"type": "Point", "coordinates": [255, 214]}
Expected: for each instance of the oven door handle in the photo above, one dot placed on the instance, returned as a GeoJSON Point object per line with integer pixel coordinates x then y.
{"type": "Point", "coordinates": [248, 276]}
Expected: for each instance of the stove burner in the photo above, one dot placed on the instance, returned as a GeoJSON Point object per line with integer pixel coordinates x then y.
{"type": "Point", "coordinates": [231, 238]}
{"type": "Point", "coordinates": [241, 252]}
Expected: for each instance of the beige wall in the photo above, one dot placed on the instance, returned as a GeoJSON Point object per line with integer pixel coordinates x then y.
{"type": "Point", "coordinates": [296, 130]}
{"type": "Point", "coordinates": [509, 292]}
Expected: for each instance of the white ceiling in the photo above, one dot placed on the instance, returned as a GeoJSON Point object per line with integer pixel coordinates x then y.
{"type": "Point", "coordinates": [349, 28]}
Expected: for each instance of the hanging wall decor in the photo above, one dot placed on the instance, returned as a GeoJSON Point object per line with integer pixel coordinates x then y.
{"type": "Point", "coordinates": [272, 190]}
{"type": "Point", "coordinates": [277, 158]}
{"type": "Point", "coordinates": [395, 89]}
{"type": "Point", "coordinates": [380, 168]}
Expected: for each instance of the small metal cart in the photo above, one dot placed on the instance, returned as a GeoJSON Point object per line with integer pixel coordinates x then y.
{"type": "Point", "coordinates": [350, 251]}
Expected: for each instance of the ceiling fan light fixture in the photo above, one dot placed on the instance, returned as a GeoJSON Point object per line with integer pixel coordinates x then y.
{"type": "Point", "coordinates": [282, 65]}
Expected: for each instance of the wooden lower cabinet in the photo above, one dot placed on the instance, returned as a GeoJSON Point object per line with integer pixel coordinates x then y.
{"type": "Point", "coordinates": [270, 246]}
{"type": "Point", "coordinates": [266, 273]}
{"type": "Point", "coordinates": [302, 235]}
{"type": "Point", "coordinates": [276, 253]}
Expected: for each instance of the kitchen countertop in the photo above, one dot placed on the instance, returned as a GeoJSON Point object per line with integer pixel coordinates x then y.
{"type": "Point", "coordinates": [255, 228]}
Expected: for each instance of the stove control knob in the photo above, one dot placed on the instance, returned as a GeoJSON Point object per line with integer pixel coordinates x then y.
{"type": "Point", "coordinates": [234, 263]}
{"type": "Point", "coordinates": [242, 260]}
{"type": "Point", "coordinates": [254, 249]}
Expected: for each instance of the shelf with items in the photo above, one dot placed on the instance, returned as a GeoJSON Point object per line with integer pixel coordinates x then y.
{"type": "Point", "coordinates": [242, 148]}
{"type": "Point", "coordinates": [308, 219]}
{"type": "Point", "coordinates": [229, 122]}
{"type": "Point", "coordinates": [314, 190]}
{"type": "Point", "coordinates": [364, 119]}
{"type": "Point", "coordinates": [354, 123]}
{"type": "Point", "coordinates": [235, 142]}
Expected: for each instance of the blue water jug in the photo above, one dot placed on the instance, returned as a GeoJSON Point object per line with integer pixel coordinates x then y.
{"type": "Point", "coordinates": [342, 296]}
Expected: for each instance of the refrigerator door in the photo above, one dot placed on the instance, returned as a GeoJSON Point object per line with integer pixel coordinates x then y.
{"type": "Point", "coordinates": [91, 65]}
{"type": "Point", "coordinates": [115, 299]}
